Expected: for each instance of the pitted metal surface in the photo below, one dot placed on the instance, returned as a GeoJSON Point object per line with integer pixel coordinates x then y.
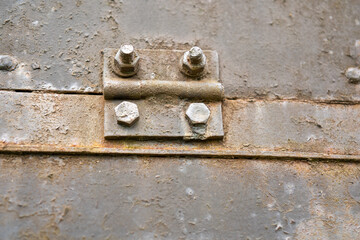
{"type": "Point", "coordinates": [48, 123]}
{"type": "Point", "coordinates": [159, 74]}
{"type": "Point", "coordinates": [162, 92]}
{"type": "Point", "coordinates": [72, 197]}
{"type": "Point", "coordinates": [287, 97]}
{"type": "Point", "coordinates": [161, 117]}
{"type": "Point", "coordinates": [269, 50]}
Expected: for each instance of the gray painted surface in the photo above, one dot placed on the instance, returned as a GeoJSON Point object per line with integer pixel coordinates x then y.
{"type": "Point", "coordinates": [285, 60]}
{"type": "Point", "coordinates": [75, 123]}
{"type": "Point", "coordinates": [70, 197]}
{"type": "Point", "coordinates": [267, 49]}
{"type": "Point", "coordinates": [162, 118]}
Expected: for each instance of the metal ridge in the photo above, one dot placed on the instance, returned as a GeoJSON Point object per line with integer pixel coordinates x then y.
{"type": "Point", "coordinates": [223, 153]}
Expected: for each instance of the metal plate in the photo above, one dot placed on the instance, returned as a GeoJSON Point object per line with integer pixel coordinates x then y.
{"type": "Point", "coordinates": [59, 197]}
{"type": "Point", "coordinates": [273, 50]}
{"type": "Point", "coordinates": [288, 129]}
{"type": "Point", "coordinates": [288, 56]}
{"type": "Point", "coordinates": [163, 90]}
{"type": "Point", "coordinates": [159, 73]}
{"type": "Point", "coordinates": [161, 118]}
{"type": "Point", "coordinates": [161, 65]}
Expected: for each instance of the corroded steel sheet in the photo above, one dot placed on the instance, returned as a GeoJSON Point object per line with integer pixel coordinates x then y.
{"type": "Point", "coordinates": [74, 124]}
{"type": "Point", "coordinates": [268, 49]}
{"type": "Point", "coordinates": [93, 197]}
{"type": "Point", "coordinates": [162, 117]}
{"type": "Point", "coordinates": [282, 65]}
{"type": "Point", "coordinates": [159, 73]}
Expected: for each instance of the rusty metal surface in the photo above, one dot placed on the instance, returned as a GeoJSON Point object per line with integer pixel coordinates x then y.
{"type": "Point", "coordinates": [72, 197]}
{"type": "Point", "coordinates": [162, 88]}
{"type": "Point", "coordinates": [74, 123]}
{"type": "Point", "coordinates": [163, 65]}
{"type": "Point", "coordinates": [267, 49]}
{"type": "Point", "coordinates": [282, 64]}
{"type": "Point", "coordinates": [161, 117]}
{"type": "Point", "coordinates": [159, 74]}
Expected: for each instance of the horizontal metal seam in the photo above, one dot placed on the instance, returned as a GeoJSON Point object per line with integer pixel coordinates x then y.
{"type": "Point", "coordinates": [7, 148]}
{"type": "Point", "coordinates": [60, 92]}
{"type": "Point", "coordinates": [314, 101]}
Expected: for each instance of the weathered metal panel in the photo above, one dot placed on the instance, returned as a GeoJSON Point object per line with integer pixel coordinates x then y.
{"type": "Point", "coordinates": [159, 74]}
{"type": "Point", "coordinates": [57, 197]}
{"type": "Point", "coordinates": [165, 94]}
{"type": "Point", "coordinates": [74, 123]}
{"type": "Point", "coordinates": [162, 117]}
{"type": "Point", "coordinates": [282, 64]}
{"type": "Point", "coordinates": [268, 49]}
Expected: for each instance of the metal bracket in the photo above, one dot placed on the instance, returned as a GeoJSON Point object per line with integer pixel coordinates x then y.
{"type": "Point", "coordinates": [162, 95]}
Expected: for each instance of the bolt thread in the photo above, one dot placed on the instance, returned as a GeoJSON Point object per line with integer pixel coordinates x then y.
{"type": "Point", "coordinates": [127, 53]}
{"type": "Point", "coordinates": [195, 59]}
{"type": "Point", "coordinates": [195, 55]}
{"type": "Point", "coordinates": [126, 57]}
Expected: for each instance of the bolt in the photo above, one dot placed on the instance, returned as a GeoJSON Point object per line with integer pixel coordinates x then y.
{"type": "Point", "coordinates": [126, 61]}
{"type": "Point", "coordinates": [195, 54]}
{"type": "Point", "coordinates": [127, 53]}
{"type": "Point", "coordinates": [198, 114]}
{"type": "Point", "coordinates": [353, 74]}
{"type": "Point", "coordinates": [7, 63]}
{"type": "Point", "coordinates": [193, 62]}
{"type": "Point", "coordinates": [127, 113]}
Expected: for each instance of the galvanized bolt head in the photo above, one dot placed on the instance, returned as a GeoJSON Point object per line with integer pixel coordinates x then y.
{"type": "Point", "coordinates": [127, 113]}
{"type": "Point", "coordinates": [193, 62]}
{"type": "Point", "coordinates": [126, 61]}
{"type": "Point", "coordinates": [198, 113]}
{"type": "Point", "coordinates": [353, 74]}
{"type": "Point", "coordinates": [7, 63]}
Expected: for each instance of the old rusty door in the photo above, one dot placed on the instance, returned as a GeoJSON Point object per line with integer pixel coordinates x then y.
{"type": "Point", "coordinates": [280, 156]}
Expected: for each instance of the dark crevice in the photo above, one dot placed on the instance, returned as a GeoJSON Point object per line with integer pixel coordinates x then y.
{"type": "Point", "coordinates": [265, 157]}
{"type": "Point", "coordinates": [316, 101]}
{"type": "Point", "coordinates": [51, 92]}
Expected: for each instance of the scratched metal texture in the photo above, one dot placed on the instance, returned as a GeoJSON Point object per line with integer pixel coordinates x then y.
{"type": "Point", "coordinates": [72, 197]}
{"type": "Point", "coordinates": [282, 64]}
{"type": "Point", "coordinates": [73, 123]}
{"type": "Point", "coordinates": [268, 49]}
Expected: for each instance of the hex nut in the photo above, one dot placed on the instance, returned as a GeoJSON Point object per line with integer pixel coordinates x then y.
{"type": "Point", "coordinates": [193, 62]}
{"type": "Point", "coordinates": [126, 61]}
{"type": "Point", "coordinates": [127, 113]}
{"type": "Point", "coordinates": [198, 114]}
